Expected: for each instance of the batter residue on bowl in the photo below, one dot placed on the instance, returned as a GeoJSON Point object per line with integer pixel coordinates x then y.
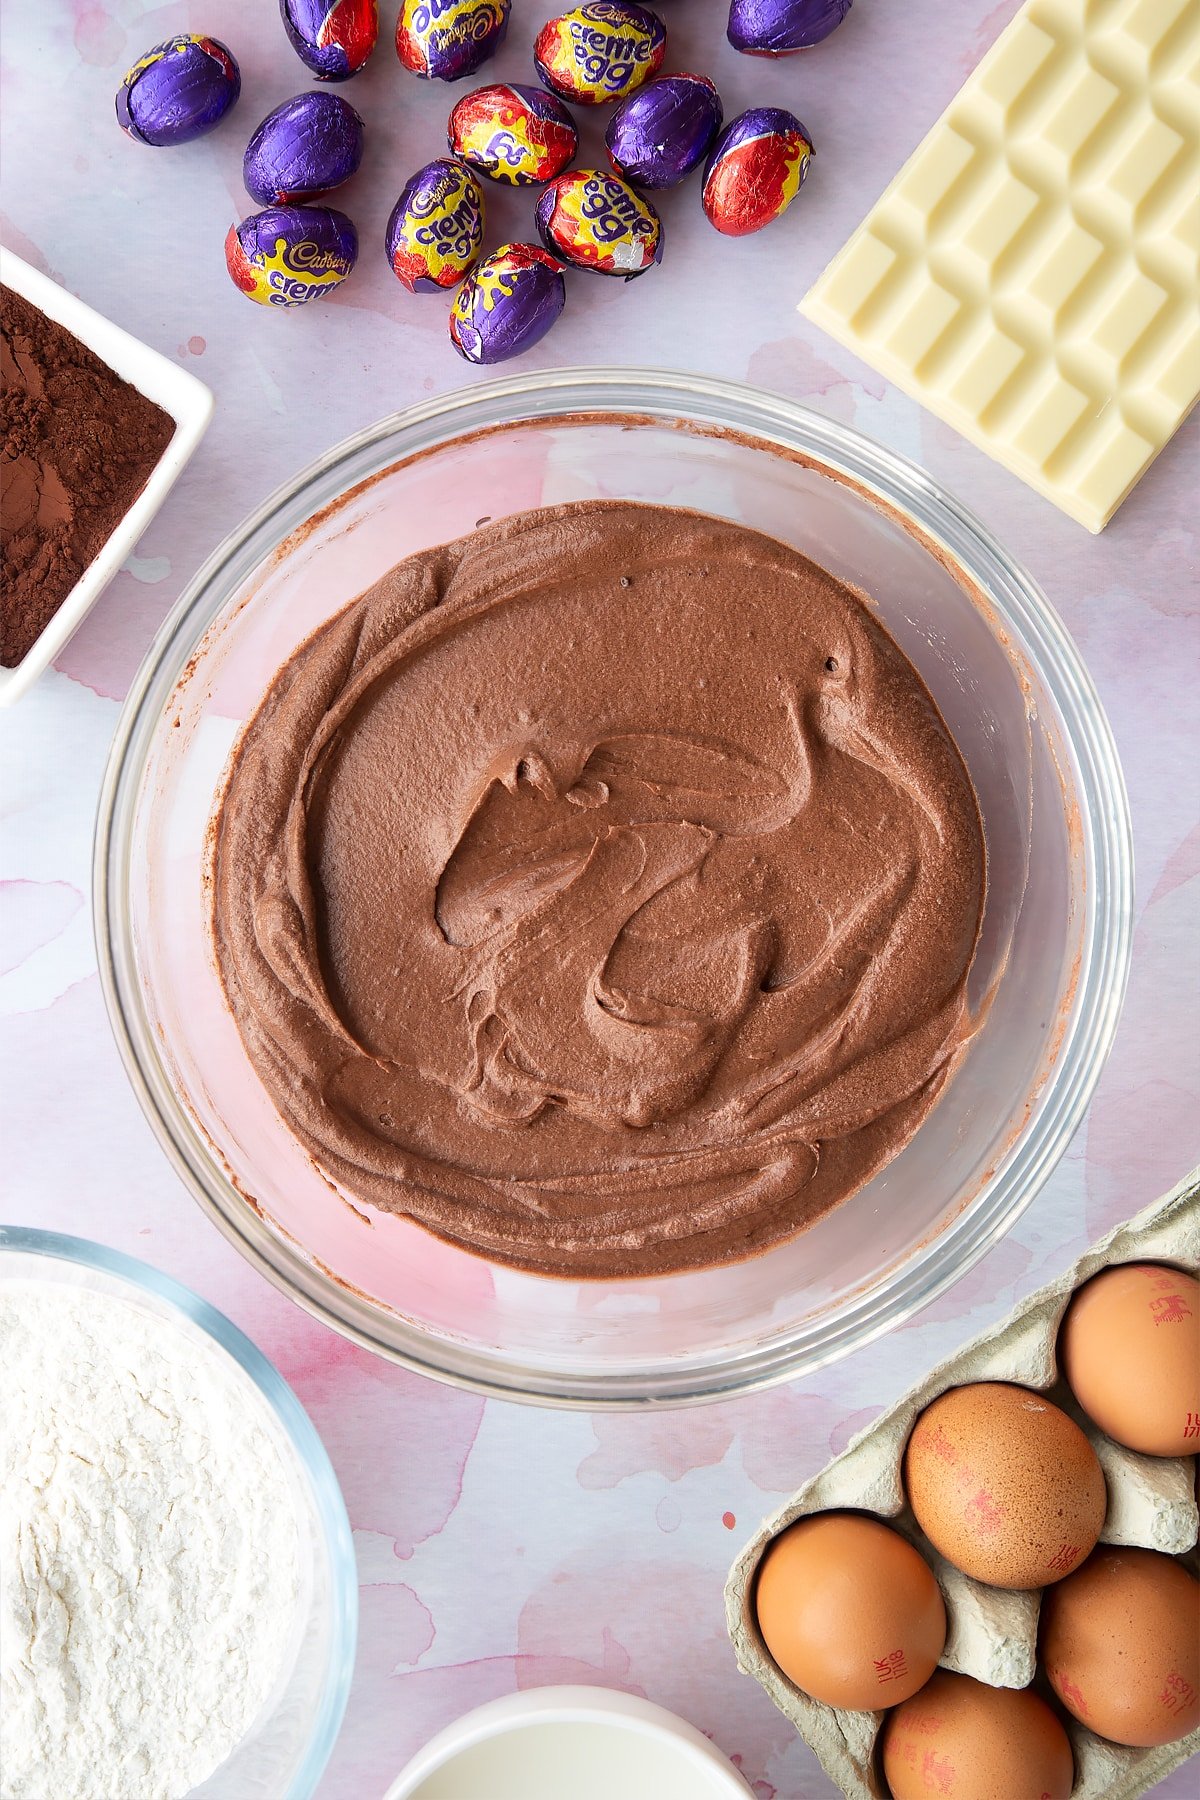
{"type": "Point", "coordinates": [600, 891]}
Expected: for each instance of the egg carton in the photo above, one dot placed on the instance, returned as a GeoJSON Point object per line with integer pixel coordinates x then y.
{"type": "Point", "coordinates": [992, 1632]}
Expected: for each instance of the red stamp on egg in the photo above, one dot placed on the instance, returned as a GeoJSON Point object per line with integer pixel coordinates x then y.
{"type": "Point", "coordinates": [1177, 1694]}
{"type": "Point", "coordinates": [1064, 1558]}
{"type": "Point", "coordinates": [938, 1772]}
{"type": "Point", "coordinates": [1172, 1309]}
{"type": "Point", "coordinates": [891, 1667]}
{"type": "Point", "coordinates": [1069, 1691]}
{"type": "Point", "coordinates": [940, 1445]}
{"type": "Point", "coordinates": [985, 1513]}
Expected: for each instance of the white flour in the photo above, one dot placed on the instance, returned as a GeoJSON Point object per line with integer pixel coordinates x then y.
{"type": "Point", "coordinates": [148, 1550]}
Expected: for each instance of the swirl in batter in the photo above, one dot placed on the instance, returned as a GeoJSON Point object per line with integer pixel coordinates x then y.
{"type": "Point", "coordinates": [600, 891]}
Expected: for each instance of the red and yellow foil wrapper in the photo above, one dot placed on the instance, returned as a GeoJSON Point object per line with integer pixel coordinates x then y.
{"type": "Point", "coordinates": [443, 40]}
{"type": "Point", "coordinates": [435, 234]}
{"type": "Point", "coordinates": [594, 220]}
{"type": "Point", "coordinates": [600, 52]}
{"type": "Point", "coordinates": [515, 134]}
{"type": "Point", "coordinates": [755, 170]}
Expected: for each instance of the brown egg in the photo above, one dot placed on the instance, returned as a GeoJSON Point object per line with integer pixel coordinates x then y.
{"type": "Point", "coordinates": [1130, 1348]}
{"type": "Point", "coordinates": [1120, 1642]}
{"type": "Point", "coordinates": [1004, 1485]}
{"type": "Point", "coordinates": [850, 1611]}
{"type": "Point", "coordinates": [961, 1740]}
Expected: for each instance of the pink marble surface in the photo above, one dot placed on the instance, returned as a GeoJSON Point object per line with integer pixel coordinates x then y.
{"type": "Point", "coordinates": [501, 1547]}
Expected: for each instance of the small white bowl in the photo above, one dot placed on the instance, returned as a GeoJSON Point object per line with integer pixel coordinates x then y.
{"type": "Point", "coordinates": [187, 401]}
{"type": "Point", "coordinates": [679, 1759]}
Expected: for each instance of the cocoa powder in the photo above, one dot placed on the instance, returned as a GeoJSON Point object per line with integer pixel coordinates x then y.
{"type": "Point", "coordinates": [79, 445]}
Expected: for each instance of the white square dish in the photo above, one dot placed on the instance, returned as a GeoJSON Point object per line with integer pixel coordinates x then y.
{"type": "Point", "coordinates": [186, 400]}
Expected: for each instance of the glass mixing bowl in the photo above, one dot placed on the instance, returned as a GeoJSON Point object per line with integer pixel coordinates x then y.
{"type": "Point", "coordinates": [283, 1755]}
{"type": "Point", "coordinates": [1048, 977]}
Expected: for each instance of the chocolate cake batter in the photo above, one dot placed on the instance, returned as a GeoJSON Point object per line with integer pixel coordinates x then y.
{"type": "Point", "coordinates": [600, 891]}
{"type": "Point", "coordinates": [79, 444]}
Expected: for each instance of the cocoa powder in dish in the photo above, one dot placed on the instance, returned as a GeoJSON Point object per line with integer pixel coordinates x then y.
{"type": "Point", "coordinates": [79, 445]}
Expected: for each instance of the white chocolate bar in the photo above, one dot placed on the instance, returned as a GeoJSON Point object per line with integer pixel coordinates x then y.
{"type": "Point", "coordinates": [1032, 275]}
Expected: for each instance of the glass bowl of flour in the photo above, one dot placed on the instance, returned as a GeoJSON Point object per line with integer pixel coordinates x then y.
{"type": "Point", "coordinates": [178, 1602]}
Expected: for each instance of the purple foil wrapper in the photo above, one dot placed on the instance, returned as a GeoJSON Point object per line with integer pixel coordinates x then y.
{"type": "Point", "coordinates": [659, 135]}
{"type": "Point", "coordinates": [307, 146]}
{"type": "Point", "coordinates": [333, 38]}
{"type": "Point", "coordinates": [780, 27]}
{"type": "Point", "coordinates": [435, 234]}
{"type": "Point", "coordinates": [507, 304]}
{"type": "Point", "coordinates": [178, 91]}
{"type": "Point", "coordinates": [288, 255]}
{"type": "Point", "coordinates": [444, 40]}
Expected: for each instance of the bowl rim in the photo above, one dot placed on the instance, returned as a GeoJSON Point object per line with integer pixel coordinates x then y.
{"type": "Point", "coordinates": [568, 1704]}
{"type": "Point", "coordinates": [703, 405]}
{"type": "Point", "coordinates": [326, 1494]}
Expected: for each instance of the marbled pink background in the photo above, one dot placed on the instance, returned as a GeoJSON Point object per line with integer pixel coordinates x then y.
{"type": "Point", "coordinates": [501, 1547]}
